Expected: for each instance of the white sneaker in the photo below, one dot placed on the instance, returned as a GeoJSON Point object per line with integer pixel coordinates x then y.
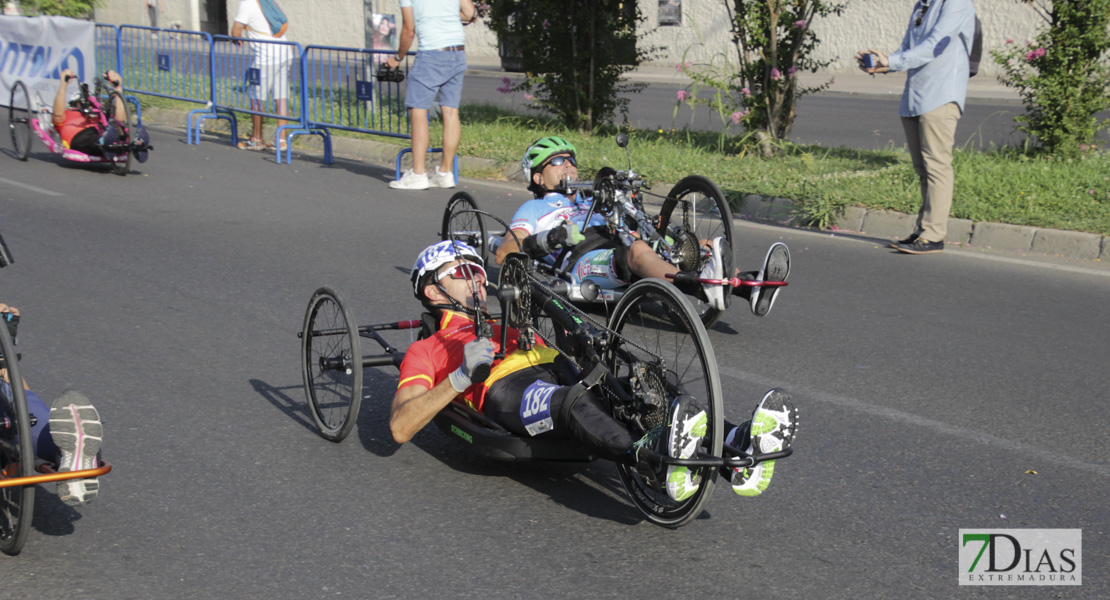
{"type": "Point", "coordinates": [776, 267]}
{"type": "Point", "coordinates": [410, 181]}
{"type": "Point", "coordinates": [714, 269]}
{"type": "Point", "coordinates": [689, 425]}
{"type": "Point", "coordinates": [77, 432]}
{"type": "Point", "coordinates": [443, 180]}
{"type": "Point", "coordinates": [772, 428]}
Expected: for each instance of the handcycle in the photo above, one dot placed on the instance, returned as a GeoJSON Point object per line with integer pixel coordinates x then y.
{"type": "Point", "coordinates": [693, 211]}
{"type": "Point", "coordinates": [19, 470]}
{"type": "Point", "coordinates": [100, 107]}
{"type": "Point", "coordinates": [652, 349]}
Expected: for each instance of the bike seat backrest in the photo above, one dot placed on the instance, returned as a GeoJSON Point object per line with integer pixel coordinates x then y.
{"type": "Point", "coordinates": [428, 325]}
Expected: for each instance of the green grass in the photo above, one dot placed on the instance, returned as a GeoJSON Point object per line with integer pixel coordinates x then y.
{"type": "Point", "coordinates": [1004, 185]}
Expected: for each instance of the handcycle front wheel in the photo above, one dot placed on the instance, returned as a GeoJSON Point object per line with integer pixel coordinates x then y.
{"type": "Point", "coordinates": [17, 457]}
{"type": "Point", "coordinates": [462, 223]}
{"type": "Point", "coordinates": [119, 152]}
{"type": "Point", "coordinates": [664, 333]}
{"type": "Point", "coordinates": [19, 120]}
{"type": "Point", "coordinates": [331, 364]}
{"type": "Point", "coordinates": [699, 207]}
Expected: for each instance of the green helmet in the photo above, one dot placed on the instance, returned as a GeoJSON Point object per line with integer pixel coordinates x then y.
{"type": "Point", "coordinates": [543, 149]}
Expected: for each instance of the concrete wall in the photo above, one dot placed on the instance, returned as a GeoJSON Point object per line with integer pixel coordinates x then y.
{"type": "Point", "coordinates": [704, 32]}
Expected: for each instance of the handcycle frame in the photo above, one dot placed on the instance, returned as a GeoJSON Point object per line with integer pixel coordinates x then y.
{"type": "Point", "coordinates": [636, 385]}
{"type": "Point", "coordinates": [117, 154]}
{"type": "Point", "coordinates": [618, 198]}
{"type": "Point", "coordinates": [17, 459]}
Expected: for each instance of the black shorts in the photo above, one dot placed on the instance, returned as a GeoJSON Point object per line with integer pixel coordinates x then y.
{"type": "Point", "coordinates": [88, 141]}
{"type": "Point", "coordinates": [586, 421]}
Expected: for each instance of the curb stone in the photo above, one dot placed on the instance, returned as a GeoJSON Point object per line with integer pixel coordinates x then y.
{"type": "Point", "coordinates": [877, 223]}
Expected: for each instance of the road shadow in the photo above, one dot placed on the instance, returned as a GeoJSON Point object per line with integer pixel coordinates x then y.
{"type": "Point", "coordinates": [52, 516]}
{"type": "Point", "coordinates": [591, 489]}
{"type": "Point", "coordinates": [293, 407]}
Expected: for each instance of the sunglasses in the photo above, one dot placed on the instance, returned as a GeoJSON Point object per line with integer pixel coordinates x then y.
{"type": "Point", "coordinates": [463, 271]}
{"type": "Point", "coordinates": [558, 161]}
{"type": "Point", "coordinates": [924, 8]}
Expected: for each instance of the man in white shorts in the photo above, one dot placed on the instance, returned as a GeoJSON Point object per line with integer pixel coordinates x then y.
{"type": "Point", "coordinates": [271, 60]}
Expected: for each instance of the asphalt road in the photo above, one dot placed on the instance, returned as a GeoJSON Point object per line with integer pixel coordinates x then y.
{"type": "Point", "coordinates": [931, 390]}
{"type": "Point", "coordinates": [867, 122]}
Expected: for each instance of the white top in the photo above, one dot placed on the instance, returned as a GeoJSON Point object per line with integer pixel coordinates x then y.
{"type": "Point", "coordinates": [258, 28]}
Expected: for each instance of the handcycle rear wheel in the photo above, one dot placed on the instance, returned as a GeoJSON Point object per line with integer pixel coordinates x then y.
{"type": "Point", "coordinates": [17, 457]}
{"type": "Point", "coordinates": [657, 318]}
{"type": "Point", "coordinates": [19, 120]}
{"type": "Point", "coordinates": [462, 223]}
{"type": "Point", "coordinates": [331, 365]}
{"type": "Point", "coordinates": [120, 151]}
{"type": "Point", "coordinates": [702, 210]}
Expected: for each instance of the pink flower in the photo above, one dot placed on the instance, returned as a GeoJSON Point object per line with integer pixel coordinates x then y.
{"type": "Point", "coordinates": [529, 96]}
{"type": "Point", "coordinates": [1009, 40]}
{"type": "Point", "coordinates": [791, 71]}
{"type": "Point", "coordinates": [682, 66]}
{"type": "Point", "coordinates": [746, 92]}
{"type": "Point", "coordinates": [800, 23]}
{"type": "Point", "coordinates": [736, 116]}
{"type": "Point", "coordinates": [545, 23]}
{"type": "Point", "coordinates": [506, 87]}
{"type": "Point", "coordinates": [681, 95]}
{"type": "Point", "coordinates": [1035, 54]}
{"type": "Point", "coordinates": [776, 75]}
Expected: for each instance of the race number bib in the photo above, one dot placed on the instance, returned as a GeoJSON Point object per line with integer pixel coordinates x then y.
{"type": "Point", "coordinates": [535, 407]}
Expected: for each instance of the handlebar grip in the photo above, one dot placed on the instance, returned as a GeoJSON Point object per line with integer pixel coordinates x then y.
{"type": "Point", "coordinates": [481, 372]}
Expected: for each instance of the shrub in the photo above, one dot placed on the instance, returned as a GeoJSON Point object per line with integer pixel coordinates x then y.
{"type": "Point", "coordinates": [1062, 75]}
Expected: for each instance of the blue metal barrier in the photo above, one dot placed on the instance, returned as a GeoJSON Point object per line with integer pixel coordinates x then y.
{"type": "Point", "coordinates": [261, 78]}
{"type": "Point", "coordinates": [107, 48]}
{"type": "Point", "coordinates": [169, 63]}
{"type": "Point", "coordinates": [342, 92]}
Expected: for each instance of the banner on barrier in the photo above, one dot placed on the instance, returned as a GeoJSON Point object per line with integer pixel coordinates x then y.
{"type": "Point", "coordinates": [36, 50]}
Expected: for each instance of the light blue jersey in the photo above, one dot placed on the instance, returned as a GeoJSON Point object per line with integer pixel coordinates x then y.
{"type": "Point", "coordinates": [437, 23]}
{"type": "Point", "coordinates": [934, 55]}
{"type": "Point", "coordinates": [552, 211]}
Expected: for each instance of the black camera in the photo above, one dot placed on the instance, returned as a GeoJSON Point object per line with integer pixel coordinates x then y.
{"type": "Point", "coordinates": [391, 75]}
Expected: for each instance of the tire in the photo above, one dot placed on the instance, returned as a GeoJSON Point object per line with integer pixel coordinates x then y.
{"type": "Point", "coordinates": [19, 120]}
{"type": "Point", "coordinates": [657, 317]}
{"type": "Point", "coordinates": [698, 206]}
{"type": "Point", "coordinates": [463, 224]}
{"type": "Point", "coordinates": [331, 365]}
{"type": "Point", "coordinates": [17, 456]}
{"type": "Point", "coordinates": [125, 121]}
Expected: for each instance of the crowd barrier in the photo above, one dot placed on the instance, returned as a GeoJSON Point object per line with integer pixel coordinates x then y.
{"type": "Point", "coordinates": [314, 89]}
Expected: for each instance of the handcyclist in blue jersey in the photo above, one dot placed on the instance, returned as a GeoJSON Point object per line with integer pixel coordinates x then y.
{"type": "Point", "coordinates": [68, 433]}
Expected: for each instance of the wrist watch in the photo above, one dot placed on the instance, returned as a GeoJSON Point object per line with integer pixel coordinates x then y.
{"type": "Point", "coordinates": [398, 58]}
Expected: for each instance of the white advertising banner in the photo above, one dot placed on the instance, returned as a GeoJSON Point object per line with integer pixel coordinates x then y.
{"type": "Point", "coordinates": [35, 50]}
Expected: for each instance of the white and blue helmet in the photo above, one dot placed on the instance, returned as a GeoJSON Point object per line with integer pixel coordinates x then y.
{"type": "Point", "coordinates": [435, 256]}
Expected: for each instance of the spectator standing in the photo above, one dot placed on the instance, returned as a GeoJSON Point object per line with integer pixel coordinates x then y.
{"type": "Point", "coordinates": [438, 69]}
{"type": "Point", "coordinates": [153, 7]}
{"type": "Point", "coordinates": [263, 21]}
{"type": "Point", "coordinates": [934, 53]}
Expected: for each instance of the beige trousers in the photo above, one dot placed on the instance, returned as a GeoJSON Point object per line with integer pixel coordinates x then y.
{"type": "Point", "coordinates": [930, 138]}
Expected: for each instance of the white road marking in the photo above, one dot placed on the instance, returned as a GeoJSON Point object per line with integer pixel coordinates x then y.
{"type": "Point", "coordinates": [973, 435]}
{"type": "Point", "coordinates": [30, 187]}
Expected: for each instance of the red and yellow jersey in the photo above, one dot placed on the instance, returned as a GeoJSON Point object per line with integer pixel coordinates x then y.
{"type": "Point", "coordinates": [74, 123]}
{"type": "Point", "coordinates": [429, 361]}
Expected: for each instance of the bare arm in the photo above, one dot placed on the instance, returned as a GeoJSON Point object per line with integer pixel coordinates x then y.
{"type": "Point", "coordinates": [509, 245]}
{"type": "Point", "coordinates": [237, 29]}
{"type": "Point", "coordinates": [467, 12]}
{"type": "Point", "coordinates": [60, 97]}
{"type": "Point", "coordinates": [408, 34]}
{"type": "Point", "coordinates": [414, 406]}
